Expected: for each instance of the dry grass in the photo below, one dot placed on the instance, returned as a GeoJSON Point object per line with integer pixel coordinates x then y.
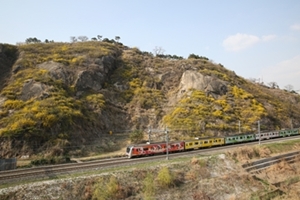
{"type": "Point", "coordinates": [244, 154]}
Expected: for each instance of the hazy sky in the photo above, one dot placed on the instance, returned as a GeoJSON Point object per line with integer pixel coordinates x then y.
{"type": "Point", "coordinates": [254, 38]}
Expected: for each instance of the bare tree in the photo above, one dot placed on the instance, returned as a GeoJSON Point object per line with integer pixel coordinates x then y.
{"type": "Point", "coordinates": [99, 37]}
{"type": "Point", "coordinates": [83, 38]}
{"type": "Point", "coordinates": [73, 39]}
{"type": "Point", "coordinates": [158, 51]}
{"type": "Point", "coordinates": [289, 87]}
{"type": "Point", "coordinates": [253, 80]}
{"type": "Point", "coordinates": [273, 85]}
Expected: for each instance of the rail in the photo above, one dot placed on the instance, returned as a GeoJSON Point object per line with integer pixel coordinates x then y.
{"type": "Point", "coordinates": [262, 164]}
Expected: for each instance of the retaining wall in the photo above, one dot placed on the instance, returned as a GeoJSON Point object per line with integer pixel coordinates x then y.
{"type": "Point", "coordinates": [6, 164]}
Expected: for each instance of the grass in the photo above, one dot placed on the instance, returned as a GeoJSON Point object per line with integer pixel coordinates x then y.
{"type": "Point", "coordinates": [280, 147]}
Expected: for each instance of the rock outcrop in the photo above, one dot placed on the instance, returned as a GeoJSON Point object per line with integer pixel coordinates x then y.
{"type": "Point", "coordinates": [195, 80]}
{"type": "Point", "coordinates": [58, 71]}
{"type": "Point", "coordinates": [91, 77]}
{"type": "Point", "coordinates": [32, 89]}
{"type": "Point", "coordinates": [95, 75]}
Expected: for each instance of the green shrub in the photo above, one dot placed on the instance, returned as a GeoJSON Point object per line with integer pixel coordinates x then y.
{"type": "Point", "coordinates": [136, 136]}
{"type": "Point", "coordinates": [149, 187]}
{"type": "Point", "coordinates": [107, 191]}
{"type": "Point", "coordinates": [165, 178]}
{"type": "Point", "coordinates": [50, 160]}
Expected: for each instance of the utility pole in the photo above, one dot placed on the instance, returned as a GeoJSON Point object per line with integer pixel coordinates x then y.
{"type": "Point", "coordinates": [167, 143]}
{"type": "Point", "coordinates": [258, 131]}
{"type": "Point", "coordinates": [149, 134]}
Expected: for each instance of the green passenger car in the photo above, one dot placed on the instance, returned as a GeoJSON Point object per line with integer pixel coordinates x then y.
{"type": "Point", "coordinates": [284, 133]}
{"type": "Point", "coordinates": [239, 138]}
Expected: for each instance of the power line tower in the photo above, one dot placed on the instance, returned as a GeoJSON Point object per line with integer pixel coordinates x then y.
{"type": "Point", "coordinates": [165, 132]}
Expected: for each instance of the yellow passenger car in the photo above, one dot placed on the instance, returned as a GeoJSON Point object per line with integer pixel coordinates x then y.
{"type": "Point", "coordinates": [203, 143]}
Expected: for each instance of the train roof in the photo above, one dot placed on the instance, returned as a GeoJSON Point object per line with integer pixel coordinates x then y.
{"type": "Point", "coordinates": [205, 138]}
{"type": "Point", "coordinates": [144, 144]}
{"type": "Point", "coordinates": [243, 134]}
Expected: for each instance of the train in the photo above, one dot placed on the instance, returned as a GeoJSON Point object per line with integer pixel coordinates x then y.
{"type": "Point", "coordinates": [149, 149]}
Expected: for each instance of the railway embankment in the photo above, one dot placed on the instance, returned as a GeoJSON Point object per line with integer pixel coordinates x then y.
{"type": "Point", "coordinates": [214, 176]}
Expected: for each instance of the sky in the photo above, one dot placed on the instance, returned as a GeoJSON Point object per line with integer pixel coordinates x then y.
{"type": "Point", "coordinates": [257, 39]}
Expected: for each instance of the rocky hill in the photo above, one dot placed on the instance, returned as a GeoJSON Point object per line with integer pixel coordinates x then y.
{"type": "Point", "coordinates": [58, 98]}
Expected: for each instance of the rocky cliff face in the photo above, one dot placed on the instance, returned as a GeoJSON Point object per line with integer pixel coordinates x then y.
{"type": "Point", "coordinates": [91, 77]}
{"type": "Point", "coordinates": [8, 55]}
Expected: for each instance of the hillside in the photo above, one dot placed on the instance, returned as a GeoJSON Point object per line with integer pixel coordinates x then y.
{"type": "Point", "coordinates": [66, 98]}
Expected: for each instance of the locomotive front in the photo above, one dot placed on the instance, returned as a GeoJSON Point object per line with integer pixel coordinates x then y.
{"type": "Point", "coordinates": [129, 151]}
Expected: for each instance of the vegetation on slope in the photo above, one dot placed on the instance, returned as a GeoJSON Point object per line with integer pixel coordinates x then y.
{"type": "Point", "coordinates": [200, 114]}
{"type": "Point", "coordinates": [50, 120]}
{"type": "Point", "coordinates": [142, 86]}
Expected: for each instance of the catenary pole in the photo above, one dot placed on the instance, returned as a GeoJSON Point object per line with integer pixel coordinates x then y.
{"type": "Point", "coordinates": [149, 134]}
{"type": "Point", "coordinates": [258, 131]}
{"type": "Point", "coordinates": [167, 144]}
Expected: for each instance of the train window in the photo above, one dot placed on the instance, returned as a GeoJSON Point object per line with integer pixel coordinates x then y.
{"type": "Point", "coordinates": [196, 143]}
{"type": "Point", "coordinates": [191, 144]}
{"type": "Point", "coordinates": [210, 141]}
{"type": "Point", "coordinates": [205, 142]}
{"type": "Point", "coordinates": [145, 149]}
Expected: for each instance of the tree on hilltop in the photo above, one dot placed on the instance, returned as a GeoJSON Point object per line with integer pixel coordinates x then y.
{"type": "Point", "coordinates": [32, 40]}
{"type": "Point", "coordinates": [194, 56]}
{"type": "Point", "coordinates": [73, 39]}
{"type": "Point", "coordinates": [99, 37]}
{"type": "Point", "coordinates": [158, 51]}
{"type": "Point", "coordinates": [83, 38]}
{"type": "Point", "coordinates": [117, 38]}
{"type": "Point", "coordinates": [273, 85]}
{"type": "Point", "coordinates": [289, 87]}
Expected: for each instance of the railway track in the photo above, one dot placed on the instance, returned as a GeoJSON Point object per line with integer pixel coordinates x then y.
{"type": "Point", "coordinates": [262, 164]}
{"type": "Point", "coordinates": [52, 171]}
